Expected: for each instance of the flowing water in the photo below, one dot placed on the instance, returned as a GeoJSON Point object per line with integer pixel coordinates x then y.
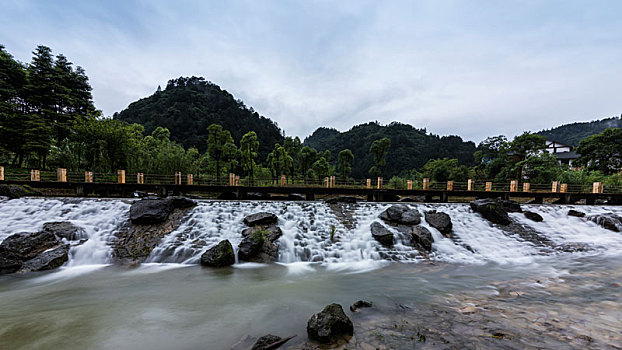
{"type": "Point", "coordinates": [170, 302]}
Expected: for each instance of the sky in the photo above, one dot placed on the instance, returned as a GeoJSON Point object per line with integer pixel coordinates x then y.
{"type": "Point", "coordinates": [468, 68]}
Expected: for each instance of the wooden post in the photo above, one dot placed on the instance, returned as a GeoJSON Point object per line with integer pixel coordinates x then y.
{"type": "Point", "coordinates": [450, 185]}
{"type": "Point", "coordinates": [35, 175]}
{"type": "Point", "coordinates": [380, 183]}
{"type": "Point", "coordinates": [190, 179]}
{"type": "Point", "coordinates": [514, 186]}
{"type": "Point", "coordinates": [327, 182]}
{"type": "Point", "coordinates": [61, 175]}
{"type": "Point", "coordinates": [237, 180]}
{"type": "Point", "coordinates": [555, 187]}
{"type": "Point", "coordinates": [283, 179]}
{"type": "Point", "coordinates": [426, 183]}
{"type": "Point", "coordinates": [140, 178]}
{"type": "Point", "coordinates": [231, 179]}
{"type": "Point", "coordinates": [597, 187]}
{"type": "Point", "coordinates": [470, 185]}
{"type": "Point", "coordinates": [1, 173]}
{"type": "Point", "coordinates": [488, 186]}
{"type": "Point", "coordinates": [526, 187]}
{"type": "Point", "coordinates": [368, 184]}
{"type": "Point", "coordinates": [178, 178]}
{"type": "Point", "coordinates": [563, 188]}
{"type": "Point", "coordinates": [409, 184]}
{"type": "Point", "coordinates": [88, 176]}
{"type": "Point", "coordinates": [331, 182]}
{"type": "Point", "coordinates": [121, 176]}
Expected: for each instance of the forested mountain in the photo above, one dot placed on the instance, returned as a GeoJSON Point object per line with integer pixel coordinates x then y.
{"type": "Point", "coordinates": [410, 147]}
{"type": "Point", "coordinates": [189, 105]}
{"type": "Point", "coordinates": [571, 134]}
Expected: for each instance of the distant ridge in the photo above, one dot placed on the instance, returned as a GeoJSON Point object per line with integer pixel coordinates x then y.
{"type": "Point", "coordinates": [571, 134]}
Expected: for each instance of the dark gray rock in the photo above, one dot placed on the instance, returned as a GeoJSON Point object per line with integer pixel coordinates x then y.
{"type": "Point", "coordinates": [17, 191]}
{"type": "Point", "coordinates": [220, 255]}
{"type": "Point", "coordinates": [574, 247]}
{"type": "Point", "coordinates": [149, 211]}
{"type": "Point", "coordinates": [260, 244]}
{"type": "Point", "coordinates": [262, 218]}
{"type": "Point", "coordinates": [270, 232]}
{"type": "Point", "coordinates": [511, 206]}
{"type": "Point", "coordinates": [359, 304]}
{"type": "Point", "coordinates": [400, 214]}
{"type": "Point", "coordinates": [342, 199]}
{"type": "Point", "coordinates": [265, 342]}
{"type": "Point", "coordinates": [381, 234]}
{"type": "Point", "coordinates": [47, 260]}
{"type": "Point", "coordinates": [440, 221]}
{"type": "Point", "coordinates": [492, 210]}
{"type": "Point", "coordinates": [576, 213]}
{"type": "Point", "coordinates": [609, 221]}
{"type": "Point", "coordinates": [27, 245]}
{"type": "Point", "coordinates": [65, 229]}
{"type": "Point", "coordinates": [423, 237]}
{"type": "Point", "coordinates": [9, 264]}
{"type": "Point", "coordinates": [533, 216]}
{"type": "Point", "coordinates": [329, 325]}
{"type": "Point", "coordinates": [179, 202]}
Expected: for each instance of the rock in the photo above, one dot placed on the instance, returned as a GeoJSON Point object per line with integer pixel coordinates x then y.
{"type": "Point", "coordinates": [423, 237]}
{"type": "Point", "coordinates": [47, 260]}
{"type": "Point", "coordinates": [260, 244]}
{"type": "Point", "coordinates": [511, 206]}
{"type": "Point", "coordinates": [576, 213]}
{"type": "Point", "coordinates": [265, 341]}
{"type": "Point", "coordinates": [574, 247]}
{"type": "Point", "coordinates": [262, 218]}
{"type": "Point", "coordinates": [257, 195]}
{"type": "Point", "coordinates": [17, 191]}
{"type": "Point", "coordinates": [295, 197]}
{"type": "Point", "coordinates": [400, 214]}
{"type": "Point", "coordinates": [149, 211]}
{"type": "Point", "coordinates": [440, 221]}
{"type": "Point", "coordinates": [329, 325]}
{"type": "Point", "coordinates": [609, 221]}
{"type": "Point", "coordinates": [9, 264]}
{"type": "Point", "coordinates": [342, 199]}
{"type": "Point", "coordinates": [381, 234]}
{"type": "Point", "coordinates": [220, 255]}
{"type": "Point", "coordinates": [360, 304]}
{"type": "Point", "coordinates": [27, 245]}
{"type": "Point", "coordinates": [228, 196]}
{"type": "Point", "coordinates": [492, 210]}
{"type": "Point", "coordinates": [65, 229]}
{"type": "Point", "coordinates": [179, 202]}
{"type": "Point", "coordinates": [533, 216]}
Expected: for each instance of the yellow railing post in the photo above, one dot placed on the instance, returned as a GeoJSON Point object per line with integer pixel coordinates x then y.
{"type": "Point", "coordinates": [178, 178]}
{"type": "Point", "coordinates": [488, 186]}
{"type": "Point", "coordinates": [514, 186]}
{"type": "Point", "coordinates": [190, 179]}
{"type": "Point", "coordinates": [563, 188]}
{"type": "Point", "coordinates": [409, 184]}
{"type": "Point", "coordinates": [380, 183]}
{"type": "Point", "coordinates": [121, 176]}
{"type": "Point", "coordinates": [450, 185]}
{"type": "Point", "coordinates": [140, 178]}
{"type": "Point", "coordinates": [283, 180]}
{"type": "Point", "coordinates": [426, 183]}
{"type": "Point", "coordinates": [88, 176]}
{"type": "Point", "coordinates": [368, 184]}
{"type": "Point", "coordinates": [597, 187]}
{"type": "Point", "coordinates": [1, 173]}
{"type": "Point", "coordinates": [35, 175]}
{"type": "Point", "coordinates": [470, 185]}
{"type": "Point", "coordinates": [526, 187]}
{"type": "Point", "coordinates": [555, 187]}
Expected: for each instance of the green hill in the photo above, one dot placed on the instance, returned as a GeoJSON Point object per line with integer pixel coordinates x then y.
{"type": "Point", "coordinates": [571, 134]}
{"type": "Point", "coordinates": [410, 147]}
{"type": "Point", "coordinates": [189, 105]}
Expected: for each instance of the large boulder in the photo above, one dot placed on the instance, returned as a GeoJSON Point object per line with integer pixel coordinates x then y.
{"type": "Point", "coordinates": [440, 221]}
{"type": "Point", "coordinates": [492, 210]}
{"type": "Point", "coordinates": [220, 255]}
{"type": "Point", "coordinates": [17, 191]}
{"type": "Point", "coordinates": [329, 325]}
{"type": "Point", "coordinates": [511, 206]}
{"type": "Point", "coordinates": [400, 214]}
{"type": "Point", "coordinates": [422, 236]}
{"type": "Point", "coordinates": [65, 229]}
{"type": "Point", "coordinates": [381, 234]}
{"type": "Point", "coordinates": [47, 260]}
{"type": "Point", "coordinates": [576, 213]}
{"type": "Point", "coordinates": [533, 216]}
{"type": "Point", "coordinates": [262, 218]}
{"type": "Point", "coordinates": [156, 211]}
{"type": "Point", "coordinates": [609, 221]}
{"type": "Point", "coordinates": [260, 244]}
{"type": "Point", "coordinates": [9, 264]}
{"type": "Point", "coordinates": [27, 245]}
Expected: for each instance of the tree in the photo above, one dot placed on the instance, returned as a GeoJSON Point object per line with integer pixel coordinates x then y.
{"type": "Point", "coordinates": [249, 145]}
{"type": "Point", "coordinates": [279, 161]}
{"type": "Point", "coordinates": [379, 149]}
{"type": "Point", "coordinates": [602, 152]}
{"type": "Point", "coordinates": [308, 156]}
{"type": "Point", "coordinates": [540, 168]}
{"type": "Point", "coordinates": [527, 144]}
{"type": "Point", "coordinates": [321, 168]}
{"type": "Point", "coordinates": [12, 113]}
{"type": "Point", "coordinates": [344, 163]}
{"type": "Point", "coordinates": [293, 146]}
{"type": "Point", "coordinates": [217, 140]}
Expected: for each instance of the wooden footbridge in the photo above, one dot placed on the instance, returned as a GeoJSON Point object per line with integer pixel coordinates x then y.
{"type": "Point", "coordinates": [85, 184]}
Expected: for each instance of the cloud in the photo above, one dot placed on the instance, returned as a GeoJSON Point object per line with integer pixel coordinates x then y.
{"type": "Point", "coordinates": [472, 69]}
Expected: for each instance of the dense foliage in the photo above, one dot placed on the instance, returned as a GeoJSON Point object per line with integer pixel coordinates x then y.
{"type": "Point", "coordinates": [188, 106]}
{"type": "Point", "coordinates": [409, 147]}
{"type": "Point", "coordinates": [571, 134]}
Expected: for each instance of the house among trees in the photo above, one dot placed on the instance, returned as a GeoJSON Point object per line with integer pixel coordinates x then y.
{"type": "Point", "coordinates": [565, 154]}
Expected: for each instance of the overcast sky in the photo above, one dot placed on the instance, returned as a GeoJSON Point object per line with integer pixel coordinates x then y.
{"type": "Point", "coordinates": [471, 68]}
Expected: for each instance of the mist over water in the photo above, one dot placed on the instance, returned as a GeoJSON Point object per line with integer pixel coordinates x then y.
{"type": "Point", "coordinates": [171, 302]}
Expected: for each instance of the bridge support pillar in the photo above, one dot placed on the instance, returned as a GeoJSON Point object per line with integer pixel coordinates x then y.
{"type": "Point", "coordinates": [444, 197]}
{"type": "Point", "coordinates": [370, 196]}
{"type": "Point", "coordinates": [537, 200]}
{"type": "Point", "coordinates": [310, 196]}
{"type": "Point", "coordinates": [80, 190]}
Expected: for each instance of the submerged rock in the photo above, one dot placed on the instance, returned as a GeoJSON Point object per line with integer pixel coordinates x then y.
{"type": "Point", "coordinates": [576, 213]}
{"type": "Point", "coordinates": [220, 255]}
{"type": "Point", "coordinates": [533, 216]}
{"type": "Point", "coordinates": [400, 214]}
{"type": "Point", "coordinates": [381, 234]}
{"type": "Point", "coordinates": [609, 221]}
{"type": "Point", "coordinates": [329, 325]}
{"type": "Point", "coordinates": [440, 221]}
{"type": "Point", "coordinates": [359, 304]}
{"type": "Point", "coordinates": [263, 218]}
{"type": "Point", "coordinates": [265, 342]}
{"type": "Point", "coordinates": [65, 229]}
{"type": "Point", "coordinates": [492, 210]}
{"type": "Point", "coordinates": [47, 260]}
